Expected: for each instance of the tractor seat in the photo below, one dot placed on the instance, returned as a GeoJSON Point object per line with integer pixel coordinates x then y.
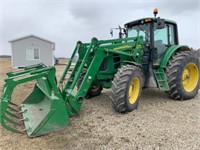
{"type": "Point", "coordinates": [160, 46]}
{"type": "Point", "coordinates": [160, 51]}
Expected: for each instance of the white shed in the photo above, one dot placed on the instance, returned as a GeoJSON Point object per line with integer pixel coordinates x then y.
{"type": "Point", "coordinates": [30, 50]}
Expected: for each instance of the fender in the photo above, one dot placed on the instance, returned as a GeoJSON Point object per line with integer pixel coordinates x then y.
{"type": "Point", "coordinates": [170, 51]}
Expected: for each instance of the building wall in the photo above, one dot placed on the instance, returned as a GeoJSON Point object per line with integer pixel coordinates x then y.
{"type": "Point", "coordinates": [19, 52]}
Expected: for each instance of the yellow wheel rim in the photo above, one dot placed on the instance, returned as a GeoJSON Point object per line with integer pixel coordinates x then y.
{"type": "Point", "coordinates": [190, 77]}
{"type": "Point", "coordinates": [134, 90]}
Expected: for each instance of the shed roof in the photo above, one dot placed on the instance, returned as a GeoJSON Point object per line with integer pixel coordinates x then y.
{"type": "Point", "coordinates": [31, 35]}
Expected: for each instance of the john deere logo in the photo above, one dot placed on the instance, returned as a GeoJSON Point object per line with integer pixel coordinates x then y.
{"type": "Point", "coordinates": [122, 47]}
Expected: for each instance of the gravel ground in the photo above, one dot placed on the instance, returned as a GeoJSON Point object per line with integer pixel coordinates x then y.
{"type": "Point", "coordinates": [158, 123]}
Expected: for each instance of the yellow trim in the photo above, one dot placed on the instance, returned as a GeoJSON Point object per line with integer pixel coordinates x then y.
{"type": "Point", "coordinates": [122, 47]}
{"type": "Point", "coordinates": [147, 20]}
{"type": "Point", "coordinates": [139, 46]}
{"type": "Point", "coordinates": [134, 90]}
{"type": "Point", "coordinates": [190, 77]}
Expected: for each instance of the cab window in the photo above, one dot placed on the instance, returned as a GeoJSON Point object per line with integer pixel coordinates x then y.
{"type": "Point", "coordinates": [140, 30]}
{"type": "Point", "coordinates": [163, 38]}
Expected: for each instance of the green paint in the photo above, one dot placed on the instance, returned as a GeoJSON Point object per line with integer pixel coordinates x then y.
{"type": "Point", "coordinates": [170, 51]}
{"type": "Point", "coordinates": [49, 106]}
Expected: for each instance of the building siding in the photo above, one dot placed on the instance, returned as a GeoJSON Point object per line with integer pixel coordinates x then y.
{"type": "Point", "coordinates": [19, 52]}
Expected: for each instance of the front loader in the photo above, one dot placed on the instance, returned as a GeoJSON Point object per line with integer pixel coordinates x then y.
{"type": "Point", "coordinates": [146, 55]}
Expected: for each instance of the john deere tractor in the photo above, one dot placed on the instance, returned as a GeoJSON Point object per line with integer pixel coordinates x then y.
{"type": "Point", "coordinates": [147, 54]}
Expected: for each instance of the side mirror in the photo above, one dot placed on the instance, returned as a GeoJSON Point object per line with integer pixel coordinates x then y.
{"type": "Point", "coordinates": [111, 32]}
{"type": "Point", "coordinates": [125, 31]}
{"type": "Point", "coordinates": [160, 23]}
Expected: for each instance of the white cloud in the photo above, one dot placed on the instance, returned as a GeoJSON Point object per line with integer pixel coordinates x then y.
{"type": "Point", "coordinates": [66, 22]}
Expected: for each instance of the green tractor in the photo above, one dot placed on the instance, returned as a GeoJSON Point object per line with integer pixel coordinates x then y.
{"type": "Point", "coordinates": [147, 54]}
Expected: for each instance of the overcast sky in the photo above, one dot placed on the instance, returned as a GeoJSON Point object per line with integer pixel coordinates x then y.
{"type": "Point", "coordinates": [66, 22]}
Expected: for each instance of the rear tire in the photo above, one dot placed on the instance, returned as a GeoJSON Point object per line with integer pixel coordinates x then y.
{"type": "Point", "coordinates": [126, 88]}
{"type": "Point", "coordinates": [183, 75]}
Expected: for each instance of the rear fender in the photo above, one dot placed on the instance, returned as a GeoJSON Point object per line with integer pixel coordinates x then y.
{"type": "Point", "coordinates": [170, 52]}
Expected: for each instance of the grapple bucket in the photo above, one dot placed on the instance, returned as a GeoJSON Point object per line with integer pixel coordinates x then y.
{"type": "Point", "coordinates": [43, 111]}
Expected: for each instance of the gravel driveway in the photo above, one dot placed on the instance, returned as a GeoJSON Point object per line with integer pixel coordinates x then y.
{"type": "Point", "coordinates": [158, 123]}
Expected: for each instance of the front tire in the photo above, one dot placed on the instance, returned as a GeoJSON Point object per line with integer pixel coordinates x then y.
{"type": "Point", "coordinates": [94, 90]}
{"type": "Point", "coordinates": [183, 76]}
{"type": "Point", "coordinates": [126, 88]}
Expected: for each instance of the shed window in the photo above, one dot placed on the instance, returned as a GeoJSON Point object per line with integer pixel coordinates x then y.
{"type": "Point", "coordinates": [32, 54]}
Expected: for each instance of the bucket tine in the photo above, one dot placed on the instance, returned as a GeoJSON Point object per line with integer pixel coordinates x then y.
{"type": "Point", "coordinates": [11, 129]}
{"type": "Point", "coordinates": [17, 124]}
{"type": "Point", "coordinates": [39, 112]}
{"type": "Point", "coordinates": [24, 130]}
{"type": "Point", "coordinates": [13, 115]}
{"type": "Point", "coordinates": [12, 109]}
{"type": "Point", "coordinates": [12, 103]}
{"type": "Point", "coordinates": [11, 121]}
{"type": "Point", "coordinates": [21, 112]}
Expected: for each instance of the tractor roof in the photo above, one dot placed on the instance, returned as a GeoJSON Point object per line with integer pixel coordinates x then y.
{"type": "Point", "coordinates": [148, 19]}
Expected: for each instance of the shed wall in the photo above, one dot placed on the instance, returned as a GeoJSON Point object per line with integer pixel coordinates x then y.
{"type": "Point", "coordinates": [19, 52]}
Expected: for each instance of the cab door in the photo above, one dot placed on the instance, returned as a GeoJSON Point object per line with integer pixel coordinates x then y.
{"type": "Point", "coordinates": [163, 38]}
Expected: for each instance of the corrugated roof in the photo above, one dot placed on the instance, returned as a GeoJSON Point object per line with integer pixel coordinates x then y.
{"type": "Point", "coordinates": [31, 35]}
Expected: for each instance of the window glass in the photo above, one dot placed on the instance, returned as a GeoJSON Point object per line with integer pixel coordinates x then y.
{"type": "Point", "coordinates": [32, 54]}
{"type": "Point", "coordinates": [133, 32]}
{"type": "Point", "coordinates": [29, 54]}
{"type": "Point", "coordinates": [171, 34]}
{"type": "Point", "coordinates": [160, 35]}
{"type": "Point", "coordinates": [36, 53]}
{"type": "Point", "coordinates": [139, 30]}
{"type": "Point", "coordinates": [160, 43]}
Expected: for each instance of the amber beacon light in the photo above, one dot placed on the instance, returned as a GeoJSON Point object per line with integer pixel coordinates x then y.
{"type": "Point", "coordinates": [155, 11]}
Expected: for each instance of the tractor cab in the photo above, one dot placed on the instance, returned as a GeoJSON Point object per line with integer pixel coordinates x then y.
{"type": "Point", "coordinates": [159, 34]}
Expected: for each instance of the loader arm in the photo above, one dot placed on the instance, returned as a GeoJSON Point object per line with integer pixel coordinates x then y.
{"type": "Point", "coordinates": [49, 106]}
{"type": "Point", "coordinates": [100, 49]}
